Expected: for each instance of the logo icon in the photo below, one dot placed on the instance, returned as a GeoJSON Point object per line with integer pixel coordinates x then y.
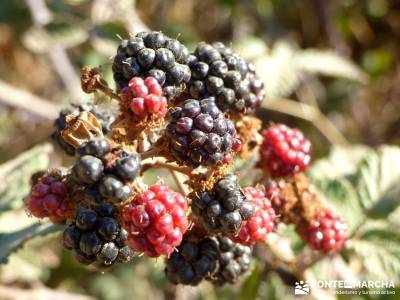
{"type": "Point", "coordinates": [301, 288]}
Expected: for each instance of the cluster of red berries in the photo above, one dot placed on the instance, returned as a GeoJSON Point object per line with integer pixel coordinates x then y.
{"type": "Point", "coordinates": [156, 221]}
{"type": "Point", "coordinates": [327, 232]}
{"type": "Point", "coordinates": [145, 98]}
{"type": "Point", "coordinates": [285, 151]}
{"type": "Point", "coordinates": [48, 199]}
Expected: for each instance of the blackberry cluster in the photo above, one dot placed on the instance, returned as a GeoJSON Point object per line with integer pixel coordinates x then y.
{"type": "Point", "coordinates": [219, 72]}
{"type": "Point", "coordinates": [200, 134]}
{"type": "Point", "coordinates": [105, 171]}
{"type": "Point", "coordinates": [145, 98]}
{"type": "Point", "coordinates": [156, 221]}
{"type": "Point", "coordinates": [105, 117]}
{"type": "Point", "coordinates": [224, 208]}
{"type": "Point", "coordinates": [49, 199]}
{"type": "Point", "coordinates": [153, 54]}
{"type": "Point", "coordinates": [193, 261]}
{"type": "Point", "coordinates": [285, 151]}
{"type": "Point", "coordinates": [234, 260]}
{"type": "Point", "coordinates": [327, 232]}
{"type": "Point", "coordinates": [263, 221]}
{"type": "Point", "coordinates": [96, 237]}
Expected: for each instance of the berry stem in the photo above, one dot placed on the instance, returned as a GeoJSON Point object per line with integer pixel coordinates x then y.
{"type": "Point", "coordinates": [179, 181]}
{"type": "Point", "coordinates": [172, 167]}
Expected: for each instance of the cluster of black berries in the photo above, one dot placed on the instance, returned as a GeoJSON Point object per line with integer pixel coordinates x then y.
{"type": "Point", "coordinates": [104, 171]}
{"type": "Point", "coordinates": [218, 71]}
{"type": "Point", "coordinates": [105, 117]}
{"type": "Point", "coordinates": [223, 209]}
{"type": "Point", "coordinates": [200, 134]}
{"type": "Point", "coordinates": [96, 237]}
{"type": "Point", "coordinates": [192, 262]}
{"type": "Point", "coordinates": [217, 259]}
{"type": "Point", "coordinates": [152, 54]}
{"type": "Point", "coordinates": [234, 260]}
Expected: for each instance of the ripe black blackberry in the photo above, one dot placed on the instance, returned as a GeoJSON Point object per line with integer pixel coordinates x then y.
{"type": "Point", "coordinates": [104, 171]}
{"type": "Point", "coordinates": [234, 260]}
{"type": "Point", "coordinates": [192, 262]}
{"type": "Point", "coordinates": [223, 209]}
{"type": "Point", "coordinates": [104, 116]}
{"type": "Point", "coordinates": [218, 71]}
{"type": "Point", "coordinates": [152, 54]}
{"type": "Point", "coordinates": [200, 134]}
{"type": "Point", "coordinates": [96, 237]}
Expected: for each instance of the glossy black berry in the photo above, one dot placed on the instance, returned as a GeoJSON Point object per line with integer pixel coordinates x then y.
{"type": "Point", "coordinates": [128, 168]}
{"type": "Point", "coordinates": [97, 237]}
{"type": "Point", "coordinates": [224, 208]}
{"type": "Point", "coordinates": [219, 72]}
{"type": "Point", "coordinates": [88, 169]}
{"type": "Point", "coordinates": [198, 133]}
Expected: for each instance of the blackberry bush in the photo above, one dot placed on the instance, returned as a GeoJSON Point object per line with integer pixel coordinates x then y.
{"type": "Point", "coordinates": [110, 213]}
{"type": "Point", "coordinates": [199, 134]}
{"type": "Point", "coordinates": [96, 237]}
{"type": "Point", "coordinates": [224, 208]}
{"type": "Point", "coordinates": [285, 151]}
{"type": "Point", "coordinates": [156, 221]}
{"type": "Point", "coordinates": [219, 72]}
{"type": "Point", "coordinates": [153, 54]}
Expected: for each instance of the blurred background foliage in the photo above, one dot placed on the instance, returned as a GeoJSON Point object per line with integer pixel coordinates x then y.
{"type": "Point", "coordinates": [331, 68]}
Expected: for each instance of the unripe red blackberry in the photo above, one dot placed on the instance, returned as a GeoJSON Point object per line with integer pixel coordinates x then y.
{"type": "Point", "coordinates": [234, 260]}
{"type": "Point", "coordinates": [105, 172]}
{"type": "Point", "coordinates": [49, 199]}
{"type": "Point", "coordinates": [96, 237]}
{"type": "Point", "coordinates": [327, 232]}
{"type": "Point", "coordinates": [145, 98]}
{"type": "Point", "coordinates": [105, 117]}
{"type": "Point", "coordinates": [273, 191]}
{"type": "Point", "coordinates": [262, 222]}
{"type": "Point", "coordinates": [156, 221]}
{"type": "Point", "coordinates": [152, 54]}
{"type": "Point", "coordinates": [219, 72]}
{"type": "Point", "coordinates": [224, 208]}
{"type": "Point", "coordinates": [199, 134]}
{"type": "Point", "coordinates": [193, 261]}
{"type": "Point", "coordinates": [285, 151]}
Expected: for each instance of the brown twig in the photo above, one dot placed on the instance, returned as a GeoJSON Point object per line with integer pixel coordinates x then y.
{"type": "Point", "coordinates": [28, 102]}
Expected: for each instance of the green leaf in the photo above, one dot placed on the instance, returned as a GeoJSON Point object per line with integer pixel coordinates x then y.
{"type": "Point", "coordinates": [342, 161]}
{"type": "Point", "coordinates": [16, 174]}
{"type": "Point", "coordinates": [342, 196]}
{"type": "Point", "coordinates": [11, 241]}
{"type": "Point", "coordinates": [379, 248]}
{"type": "Point", "coordinates": [250, 286]}
{"type": "Point", "coordinates": [377, 181]}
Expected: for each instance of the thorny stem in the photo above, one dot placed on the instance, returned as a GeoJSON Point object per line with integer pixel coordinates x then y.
{"type": "Point", "coordinates": [172, 167]}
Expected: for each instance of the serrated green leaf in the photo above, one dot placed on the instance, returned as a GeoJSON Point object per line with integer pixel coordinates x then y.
{"type": "Point", "coordinates": [16, 174]}
{"type": "Point", "coordinates": [342, 161]}
{"type": "Point", "coordinates": [340, 194]}
{"type": "Point", "coordinates": [377, 181]}
{"type": "Point", "coordinates": [250, 286]}
{"type": "Point", "coordinates": [379, 248]}
{"type": "Point", "coordinates": [11, 241]}
{"type": "Point", "coordinates": [329, 63]}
